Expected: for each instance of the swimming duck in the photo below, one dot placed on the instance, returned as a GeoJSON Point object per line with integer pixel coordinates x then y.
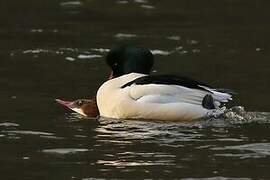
{"type": "Point", "coordinates": [132, 93]}
{"type": "Point", "coordinates": [85, 107]}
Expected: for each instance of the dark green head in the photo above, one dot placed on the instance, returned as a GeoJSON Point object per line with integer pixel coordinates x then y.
{"type": "Point", "coordinates": [124, 59]}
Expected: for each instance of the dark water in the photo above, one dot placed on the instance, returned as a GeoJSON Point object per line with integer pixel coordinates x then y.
{"type": "Point", "coordinates": [55, 49]}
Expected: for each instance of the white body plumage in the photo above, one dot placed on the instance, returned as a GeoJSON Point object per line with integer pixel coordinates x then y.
{"type": "Point", "coordinates": [154, 101]}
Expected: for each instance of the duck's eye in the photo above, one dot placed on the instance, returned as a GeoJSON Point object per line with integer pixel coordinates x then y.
{"type": "Point", "coordinates": [79, 102]}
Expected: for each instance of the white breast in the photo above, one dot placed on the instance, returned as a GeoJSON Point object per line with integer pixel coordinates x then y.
{"type": "Point", "coordinates": [114, 101]}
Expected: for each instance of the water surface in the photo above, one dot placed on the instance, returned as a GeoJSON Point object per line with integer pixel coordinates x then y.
{"type": "Point", "coordinates": [56, 49]}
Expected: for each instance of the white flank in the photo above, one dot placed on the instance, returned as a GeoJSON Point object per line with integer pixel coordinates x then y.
{"type": "Point", "coordinates": [153, 101]}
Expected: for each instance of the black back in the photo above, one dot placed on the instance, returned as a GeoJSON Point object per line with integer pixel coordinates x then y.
{"type": "Point", "coordinates": [168, 80]}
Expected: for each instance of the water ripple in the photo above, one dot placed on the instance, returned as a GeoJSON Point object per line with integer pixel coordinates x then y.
{"type": "Point", "coordinates": [89, 56]}
{"type": "Point", "coordinates": [39, 133]}
{"type": "Point", "coordinates": [64, 150]}
{"type": "Point", "coordinates": [70, 54]}
{"type": "Point", "coordinates": [147, 6]}
{"type": "Point", "coordinates": [160, 52]}
{"type": "Point", "coordinates": [71, 4]}
{"type": "Point", "coordinates": [8, 124]}
{"type": "Point", "coordinates": [217, 178]}
{"type": "Point", "coordinates": [254, 150]}
{"type": "Point", "coordinates": [125, 163]}
{"type": "Point", "coordinates": [123, 35]}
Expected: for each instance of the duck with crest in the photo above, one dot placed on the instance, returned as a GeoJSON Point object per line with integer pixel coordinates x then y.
{"type": "Point", "coordinates": [133, 93]}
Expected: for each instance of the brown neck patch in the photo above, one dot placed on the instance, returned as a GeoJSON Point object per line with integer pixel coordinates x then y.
{"type": "Point", "coordinates": [90, 108]}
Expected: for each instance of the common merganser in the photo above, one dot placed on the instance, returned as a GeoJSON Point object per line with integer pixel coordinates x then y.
{"type": "Point", "coordinates": [85, 107]}
{"type": "Point", "coordinates": [132, 93]}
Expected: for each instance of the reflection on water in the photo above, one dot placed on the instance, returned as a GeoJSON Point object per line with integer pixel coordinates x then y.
{"type": "Point", "coordinates": [56, 49]}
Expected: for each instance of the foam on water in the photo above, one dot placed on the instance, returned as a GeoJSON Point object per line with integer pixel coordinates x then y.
{"type": "Point", "coordinates": [238, 115]}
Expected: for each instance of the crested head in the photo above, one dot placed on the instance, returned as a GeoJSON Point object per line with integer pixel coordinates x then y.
{"type": "Point", "coordinates": [124, 59]}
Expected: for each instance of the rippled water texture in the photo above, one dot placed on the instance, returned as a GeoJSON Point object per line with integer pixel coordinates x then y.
{"type": "Point", "coordinates": [56, 49]}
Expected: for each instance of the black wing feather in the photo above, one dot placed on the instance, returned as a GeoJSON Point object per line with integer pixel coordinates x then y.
{"type": "Point", "coordinates": [168, 80]}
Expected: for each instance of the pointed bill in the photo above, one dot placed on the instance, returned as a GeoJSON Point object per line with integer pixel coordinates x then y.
{"type": "Point", "coordinates": [67, 104]}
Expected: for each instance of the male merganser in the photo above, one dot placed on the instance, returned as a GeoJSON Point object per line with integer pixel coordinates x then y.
{"type": "Point", "coordinates": [132, 93]}
{"type": "Point", "coordinates": [85, 107]}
